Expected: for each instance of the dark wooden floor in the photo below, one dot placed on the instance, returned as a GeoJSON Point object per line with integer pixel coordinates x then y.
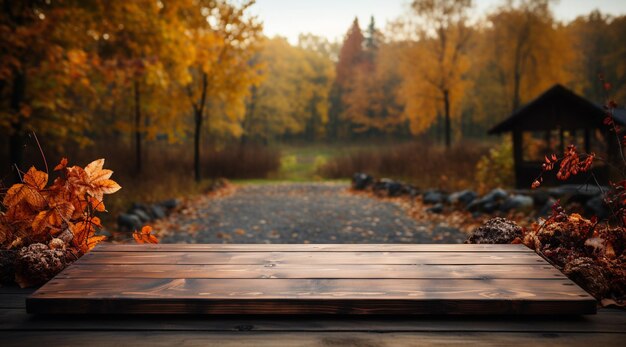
{"type": "Point", "coordinates": [17, 328]}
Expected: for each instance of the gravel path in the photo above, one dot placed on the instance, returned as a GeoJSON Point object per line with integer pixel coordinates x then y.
{"type": "Point", "coordinates": [298, 213]}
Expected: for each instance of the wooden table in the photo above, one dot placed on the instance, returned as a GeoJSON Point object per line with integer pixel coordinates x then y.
{"type": "Point", "coordinates": [311, 279]}
{"type": "Point", "coordinates": [18, 328]}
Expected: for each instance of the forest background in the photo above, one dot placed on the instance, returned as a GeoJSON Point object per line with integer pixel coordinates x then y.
{"type": "Point", "coordinates": [176, 93]}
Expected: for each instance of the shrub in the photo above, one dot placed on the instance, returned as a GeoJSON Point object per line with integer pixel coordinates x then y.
{"type": "Point", "coordinates": [495, 169]}
{"type": "Point", "coordinates": [421, 163]}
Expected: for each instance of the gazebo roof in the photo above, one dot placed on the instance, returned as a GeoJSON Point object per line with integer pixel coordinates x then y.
{"type": "Point", "coordinates": [557, 107]}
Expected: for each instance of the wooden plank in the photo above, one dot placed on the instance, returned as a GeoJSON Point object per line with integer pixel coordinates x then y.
{"type": "Point", "coordinates": [16, 290]}
{"type": "Point", "coordinates": [223, 306]}
{"type": "Point", "coordinates": [313, 271]}
{"type": "Point", "coordinates": [321, 281]}
{"type": "Point", "coordinates": [431, 289]}
{"type": "Point", "coordinates": [110, 247]}
{"type": "Point", "coordinates": [300, 296]}
{"type": "Point", "coordinates": [322, 257]}
{"type": "Point", "coordinates": [606, 321]}
{"type": "Point", "coordinates": [12, 301]}
{"type": "Point", "coordinates": [325, 339]}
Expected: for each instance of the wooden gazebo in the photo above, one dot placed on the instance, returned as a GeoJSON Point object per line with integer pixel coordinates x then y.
{"type": "Point", "coordinates": [551, 122]}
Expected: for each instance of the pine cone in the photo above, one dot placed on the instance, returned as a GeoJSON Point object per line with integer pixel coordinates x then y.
{"type": "Point", "coordinates": [36, 264]}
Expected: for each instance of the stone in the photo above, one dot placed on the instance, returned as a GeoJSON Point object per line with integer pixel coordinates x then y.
{"type": "Point", "coordinates": [170, 204]}
{"type": "Point", "coordinates": [496, 231]}
{"type": "Point", "coordinates": [546, 209]}
{"type": "Point", "coordinates": [464, 197]}
{"type": "Point", "coordinates": [540, 196]}
{"type": "Point", "coordinates": [588, 190]}
{"type": "Point", "coordinates": [488, 203]}
{"type": "Point", "coordinates": [437, 208]}
{"type": "Point", "coordinates": [390, 187]}
{"type": "Point", "coordinates": [497, 194]}
{"type": "Point", "coordinates": [395, 189]}
{"type": "Point", "coordinates": [158, 212]}
{"type": "Point", "coordinates": [517, 203]}
{"type": "Point", "coordinates": [433, 197]}
{"type": "Point", "coordinates": [361, 181]}
{"type": "Point", "coordinates": [129, 222]}
{"type": "Point", "coordinates": [145, 208]}
{"type": "Point", "coordinates": [413, 191]}
{"type": "Point", "coordinates": [489, 207]}
{"type": "Point", "coordinates": [143, 216]}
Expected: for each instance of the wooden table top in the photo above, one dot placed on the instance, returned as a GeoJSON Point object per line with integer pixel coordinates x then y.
{"type": "Point", "coordinates": [311, 279]}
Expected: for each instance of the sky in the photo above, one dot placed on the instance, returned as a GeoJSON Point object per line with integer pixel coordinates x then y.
{"type": "Point", "coordinates": [332, 18]}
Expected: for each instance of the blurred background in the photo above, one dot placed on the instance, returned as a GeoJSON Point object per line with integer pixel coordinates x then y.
{"type": "Point", "coordinates": [175, 94]}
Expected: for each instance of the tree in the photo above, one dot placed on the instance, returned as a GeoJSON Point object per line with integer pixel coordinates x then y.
{"type": "Point", "coordinates": [435, 65]}
{"type": "Point", "coordinates": [596, 39]}
{"type": "Point", "coordinates": [225, 39]}
{"type": "Point", "coordinates": [527, 50]}
{"type": "Point", "coordinates": [370, 102]}
{"type": "Point", "coordinates": [43, 71]}
{"type": "Point", "coordinates": [133, 39]}
{"type": "Point", "coordinates": [292, 98]}
{"type": "Point", "coordinates": [350, 56]}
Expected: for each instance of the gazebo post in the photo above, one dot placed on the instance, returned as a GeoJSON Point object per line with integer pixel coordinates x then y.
{"type": "Point", "coordinates": [587, 141]}
{"type": "Point", "coordinates": [518, 155]}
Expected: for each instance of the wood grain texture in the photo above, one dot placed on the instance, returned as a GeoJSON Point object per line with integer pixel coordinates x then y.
{"type": "Point", "coordinates": [322, 258]}
{"type": "Point", "coordinates": [322, 339]}
{"type": "Point", "coordinates": [311, 279]}
{"type": "Point", "coordinates": [18, 328]}
{"type": "Point", "coordinates": [313, 271]}
{"type": "Point", "coordinates": [605, 321]}
{"type": "Point", "coordinates": [109, 247]}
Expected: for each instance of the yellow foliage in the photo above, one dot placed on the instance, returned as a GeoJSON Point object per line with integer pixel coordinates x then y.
{"type": "Point", "coordinates": [495, 170]}
{"type": "Point", "coordinates": [435, 65]}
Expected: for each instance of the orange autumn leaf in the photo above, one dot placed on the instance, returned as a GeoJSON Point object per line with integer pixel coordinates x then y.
{"type": "Point", "coordinates": [53, 218]}
{"type": "Point", "coordinates": [36, 212]}
{"type": "Point", "coordinates": [24, 192]}
{"type": "Point", "coordinates": [96, 205]}
{"type": "Point", "coordinates": [145, 236]}
{"type": "Point", "coordinates": [62, 165]}
{"type": "Point", "coordinates": [35, 178]}
{"type": "Point", "coordinates": [93, 241]}
{"type": "Point", "coordinates": [98, 180]}
{"type": "Point", "coordinates": [84, 238]}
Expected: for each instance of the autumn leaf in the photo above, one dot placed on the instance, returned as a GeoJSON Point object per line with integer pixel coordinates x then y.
{"type": "Point", "coordinates": [96, 205]}
{"type": "Point", "coordinates": [62, 165]}
{"type": "Point", "coordinates": [23, 192]}
{"type": "Point", "coordinates": [145, 236]}
{"type": "Point", "coordinates": [93, 241]}
{"type": "Point", "coordinates": [35, 178]}
{"type": "Point", "coordinates": [98, 180]}
{"type": "Point", "coordinates": [53, 218]}
{"type": "Point", "coordinates": [84, 238]}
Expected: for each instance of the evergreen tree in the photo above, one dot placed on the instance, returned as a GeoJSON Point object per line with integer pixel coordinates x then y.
{"type": "Point", "coordinates": [350, 56]}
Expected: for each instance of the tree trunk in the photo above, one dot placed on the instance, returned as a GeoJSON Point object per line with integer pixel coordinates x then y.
{"type": "Point", "coordinates": [196, 145]}
{"type": "Point", "coordinates": [138, 158]}
{"type": "Point", "coordinates": [446, 105]}
{"type": "Point", "coordinates": [198, 111]}
{"type": "Point", "coordinates": [16, 139]}
{"type": "Point", "coordinates": [516, 97]}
